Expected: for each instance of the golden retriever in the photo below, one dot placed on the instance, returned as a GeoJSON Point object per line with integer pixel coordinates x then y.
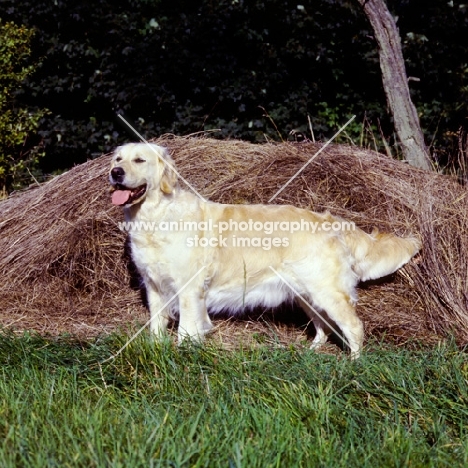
{"type": "Point", "coordinates": [196, 256]}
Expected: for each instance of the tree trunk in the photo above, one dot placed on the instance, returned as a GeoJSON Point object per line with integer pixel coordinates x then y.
{"type": "Point", "coordinates": [395, 83]}
{"type": "Point", "coordinates": [462, 156]}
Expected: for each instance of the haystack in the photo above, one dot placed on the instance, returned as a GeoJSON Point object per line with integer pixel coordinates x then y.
{"type": "Point", "coordinates": [65, 267]}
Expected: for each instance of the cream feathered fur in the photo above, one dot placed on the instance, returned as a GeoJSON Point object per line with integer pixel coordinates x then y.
{"type": "Point", "coordinates": [236, 268]}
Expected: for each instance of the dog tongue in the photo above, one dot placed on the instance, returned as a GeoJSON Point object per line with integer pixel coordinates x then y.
{"type": "Point", "coordinates": [120, 197]}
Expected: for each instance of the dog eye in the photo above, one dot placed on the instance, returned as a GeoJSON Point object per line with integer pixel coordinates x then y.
{"type": "Point", "coordinates": [118, 159]}
{"type": "Point", "coordinates": [139, 160]}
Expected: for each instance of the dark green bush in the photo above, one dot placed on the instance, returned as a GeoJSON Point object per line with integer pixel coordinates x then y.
{"type": "Point", "coordinates": [19, 149]}
{"type": "Point", "coordinates": [244, 67]}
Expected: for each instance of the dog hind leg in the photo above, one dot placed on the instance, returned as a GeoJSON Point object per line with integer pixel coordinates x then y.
{"type": "Point", "coordinates": [321, 329]}
{"type": "Point", "coordinates": [336, 306]}
{"type": "Point", "coordinates": [341, 309]}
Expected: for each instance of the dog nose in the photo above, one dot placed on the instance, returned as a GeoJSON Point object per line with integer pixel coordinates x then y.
{"type": "Point", "coordinates": [117, 174]}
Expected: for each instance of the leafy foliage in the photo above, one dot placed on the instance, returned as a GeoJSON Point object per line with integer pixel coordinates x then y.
{"type": "Point", "coordinates": [185, 66]}
{"type": "Point", "coordinates": [19, 152]}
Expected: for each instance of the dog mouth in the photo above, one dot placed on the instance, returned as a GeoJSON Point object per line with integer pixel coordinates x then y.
{"type": "Point", "coordinates": [122, 195]}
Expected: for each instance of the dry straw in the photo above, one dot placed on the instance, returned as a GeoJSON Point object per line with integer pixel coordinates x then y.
{"type": "Point", "coordinates": [65, 268]}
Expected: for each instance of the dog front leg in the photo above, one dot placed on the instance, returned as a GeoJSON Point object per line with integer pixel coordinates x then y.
{"type": "Point", "coordinates": [194, 322]}
{"type": "Point", "coordinates": [159, 315]}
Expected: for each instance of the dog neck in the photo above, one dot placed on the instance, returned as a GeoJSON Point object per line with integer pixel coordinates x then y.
{"type": "Point", "coordinates": [160, 206]}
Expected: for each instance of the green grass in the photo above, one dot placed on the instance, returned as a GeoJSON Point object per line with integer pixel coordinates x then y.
{"type": "Point", "coordinates": [163, 406]}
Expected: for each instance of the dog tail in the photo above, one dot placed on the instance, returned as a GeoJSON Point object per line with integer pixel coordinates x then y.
{"type": "Point", "coordinates": [379, 254]}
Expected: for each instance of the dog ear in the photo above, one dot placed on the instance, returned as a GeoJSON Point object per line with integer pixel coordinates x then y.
{"type": "Point", "coordinates": [168, 180]}
{"type": "Point", "coordinates": [169, 177]}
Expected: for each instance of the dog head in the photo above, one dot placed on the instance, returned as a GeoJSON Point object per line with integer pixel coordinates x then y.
{"type": "Point", "coordinates": [138, 169]}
